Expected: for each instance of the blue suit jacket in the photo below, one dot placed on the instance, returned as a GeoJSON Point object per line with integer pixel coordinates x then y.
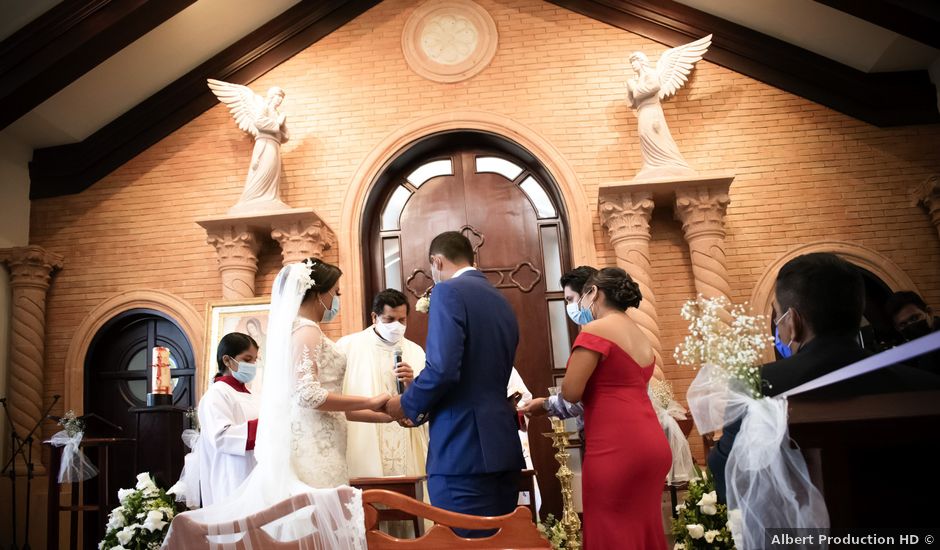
{"type": "Point", "coordinates": [471, 345]}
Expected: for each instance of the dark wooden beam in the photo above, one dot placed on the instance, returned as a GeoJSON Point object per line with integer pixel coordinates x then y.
{"type": "Point", "coordinates": [919, 20]}
{"type": "Point", "coordinates": [883, 99]}
{"type": "Point", "coordinates": [69, 169]}
{"type": "Point", "coordinates": [67, 41]}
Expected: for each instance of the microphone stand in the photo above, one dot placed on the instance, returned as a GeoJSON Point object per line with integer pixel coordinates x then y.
{"type": "Point", "coordinates": [10, 467]}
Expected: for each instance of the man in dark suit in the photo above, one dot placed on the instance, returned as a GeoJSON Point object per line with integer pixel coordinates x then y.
{"type": "Point", "coordinates": [819, 301]}
{"type": "Point", "coordinates": [474, 456]}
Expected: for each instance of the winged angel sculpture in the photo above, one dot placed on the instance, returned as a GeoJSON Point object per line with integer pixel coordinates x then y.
{"type": "Point", "coordinates": [257, 116]}
{"type": "Point", "coordinates": [661, 157]}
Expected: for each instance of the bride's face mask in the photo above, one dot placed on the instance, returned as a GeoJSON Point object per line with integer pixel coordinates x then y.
{"type": "Point", "coordinates": [330, 313]}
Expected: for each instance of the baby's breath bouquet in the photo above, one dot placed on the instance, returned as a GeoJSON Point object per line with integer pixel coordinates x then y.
{"type": "Point", "coordinates": [143, 518]}
{"type": "Point", "coordinates": [725, 336]}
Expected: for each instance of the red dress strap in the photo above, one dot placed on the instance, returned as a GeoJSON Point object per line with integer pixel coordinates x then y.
{"type": "Point", "coordinates": [593, 342]}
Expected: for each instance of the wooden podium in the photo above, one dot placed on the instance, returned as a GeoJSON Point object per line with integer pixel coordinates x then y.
{"type": "Point", "coordinates": [160, 449]}
{"type": "Point", "coordinates": [89, 501]}
{"type": "Point", "coordinates": [873, 457]}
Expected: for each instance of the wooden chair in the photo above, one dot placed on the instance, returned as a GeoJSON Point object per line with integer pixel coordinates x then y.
{"type": "Point", "coordinates": [516, 530]}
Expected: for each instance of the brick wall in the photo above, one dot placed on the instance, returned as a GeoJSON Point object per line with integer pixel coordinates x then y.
{"type": "Point", "coordinates": [804, 172]}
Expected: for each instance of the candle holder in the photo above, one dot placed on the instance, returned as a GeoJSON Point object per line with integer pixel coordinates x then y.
{"type": "Point", "coordinates": [161, 392]}
{"type": "Point", "coordinates": [569, 518]}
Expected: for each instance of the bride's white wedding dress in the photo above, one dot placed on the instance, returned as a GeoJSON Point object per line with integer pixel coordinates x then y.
{"type": "Point", "coordinates": [318, 438]}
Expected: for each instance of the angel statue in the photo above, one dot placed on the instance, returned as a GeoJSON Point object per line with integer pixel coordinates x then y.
{"type": "Point", "coordinates": [260, 118]}
{"type": "Point", "coordinates": [661, 157]}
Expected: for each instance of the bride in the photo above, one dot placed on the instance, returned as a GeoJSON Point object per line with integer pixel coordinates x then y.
{"type": "Point", "coordinates": [301, 441]}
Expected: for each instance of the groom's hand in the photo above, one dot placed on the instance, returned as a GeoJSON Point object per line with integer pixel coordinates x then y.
{"type": "Point", "coordinates": [393, 408]}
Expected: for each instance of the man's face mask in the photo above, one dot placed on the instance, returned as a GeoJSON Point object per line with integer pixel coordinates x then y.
{"type": "Point", "coordinates": [783, 349]}
{"type": "Point", "coordinates": [913, 331]}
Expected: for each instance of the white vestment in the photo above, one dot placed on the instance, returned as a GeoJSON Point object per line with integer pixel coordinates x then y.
{"type": "Point", "coordinates": [224, 463]}
{"type": "Point", "coordinates": [517, 384]}
{"type": "Point", "coordinates": [380, 450]}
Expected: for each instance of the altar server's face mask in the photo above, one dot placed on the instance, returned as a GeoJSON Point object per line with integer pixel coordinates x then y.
{"type": "Point", "coordinates": [246, 371]}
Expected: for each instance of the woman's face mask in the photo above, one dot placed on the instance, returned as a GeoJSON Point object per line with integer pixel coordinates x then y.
{"type": "Point", "coordinates": [330, 313]}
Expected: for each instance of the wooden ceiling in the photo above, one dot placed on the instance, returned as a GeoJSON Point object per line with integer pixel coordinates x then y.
{"type": "Point", "coordinates": [76, 35]}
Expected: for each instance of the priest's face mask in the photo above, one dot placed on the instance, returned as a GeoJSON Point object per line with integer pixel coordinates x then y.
{"type": "Point", "coordinates": [391, 323]}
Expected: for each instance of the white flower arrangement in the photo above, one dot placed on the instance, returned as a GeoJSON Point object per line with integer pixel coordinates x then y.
{"type": "Point", "coordinates": [424, 302]}
{"type": "Point", "coordinates": [701, 522]}
{"type": "Point", "coordinates": [725, 336]}
{"type": "Point", "coordinates": [143, 518]}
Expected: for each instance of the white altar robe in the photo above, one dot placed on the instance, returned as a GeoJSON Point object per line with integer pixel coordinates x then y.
{"type": "Point", "coordinates": [380, 450]}
{"type": "Point", "coordinates": [224, 462]}
{"type": "Point", "coordinates": [517, 384]}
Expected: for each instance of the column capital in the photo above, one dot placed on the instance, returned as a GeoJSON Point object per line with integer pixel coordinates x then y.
{"type": "Point", "coordinates": [927, 195]}
{"type": "Point", "coordinates": [702, 210]}
{"type": "Point", "coordinates": [31, 265]}
{"type": "Point", "coordinates": [626, 215]}
{"type": "Point", "coordinates": [302, 238]}
{"type": "Point", "coordinates": [236, 244]}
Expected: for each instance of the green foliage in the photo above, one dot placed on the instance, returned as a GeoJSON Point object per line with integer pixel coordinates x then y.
{"type": "Point", "coordinates": [554, 531]}
{"type": "Point", "coordinates": [701, 518]}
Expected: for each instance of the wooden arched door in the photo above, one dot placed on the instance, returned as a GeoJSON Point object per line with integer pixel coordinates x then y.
{"type": "Point", "coordinates": [507, 209]}
{"type": "Point", "coordinates": [116, 379]}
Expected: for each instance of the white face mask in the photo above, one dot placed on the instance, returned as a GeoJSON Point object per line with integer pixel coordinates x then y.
{"type": "Point", "coordinates": [390, 332]}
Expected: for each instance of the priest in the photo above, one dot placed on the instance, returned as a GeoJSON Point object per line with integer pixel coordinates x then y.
{"type": "Point", "coordinates": [383, 450]}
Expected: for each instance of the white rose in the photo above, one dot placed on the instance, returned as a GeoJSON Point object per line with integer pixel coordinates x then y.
{"type": "Point", "coordinates": [423, 305]}
{"type": "Point", "coordinates": [178, 489]}
{"type": "Point", "coordinates": [145, 483]}
{"type": "Point", "coordinates": [115, 521]}
{"type": "Point", "coordinates": [696, 531]}
{"type": "Point", "coordinates": [154, 521]}
{"type": "Point", "coordinates": [124, 493]}
{"type": "Point", "coordinates": [125, 535]}
{"type": "Point", "coordinates": [679, 546]}
{"type": "Point", "coordinates": [680, 507]}
{"type": "Point", "coordinates": [710, 535]}
{"type": "Point", "coordinates": [708, 503]}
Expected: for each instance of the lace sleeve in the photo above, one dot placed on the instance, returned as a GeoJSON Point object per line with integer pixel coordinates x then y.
{"type": "Point", "coordinates": [310, 393]}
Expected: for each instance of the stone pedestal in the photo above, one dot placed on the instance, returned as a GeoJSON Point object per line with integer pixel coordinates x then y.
{"type": "Point", "coordinates": [237, 239]}
{"type": "Point", "coordinates": [927, 195]}
{"type": "Point", "coordinates": [626, 214]}
{"type": "Point", "coordinates": [31, 269]}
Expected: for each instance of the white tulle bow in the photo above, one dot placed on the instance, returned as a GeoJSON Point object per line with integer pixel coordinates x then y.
{"type": "Point", "coordinates": [75, 466]}
{"type": "Point", "coordinates": [189, 478]}
{"type": "Point", "coordinates": [766, 478]}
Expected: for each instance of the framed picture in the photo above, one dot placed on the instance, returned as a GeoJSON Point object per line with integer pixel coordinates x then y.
{"type": "Point", "coordinates": [248, 316]}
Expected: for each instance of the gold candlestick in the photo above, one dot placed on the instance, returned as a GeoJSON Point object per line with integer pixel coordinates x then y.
{"type": "Point", "coordinates": [569, 518]}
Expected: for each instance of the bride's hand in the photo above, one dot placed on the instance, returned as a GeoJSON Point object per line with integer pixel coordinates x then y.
{"type": "Point", "coordinates": [378, 402]}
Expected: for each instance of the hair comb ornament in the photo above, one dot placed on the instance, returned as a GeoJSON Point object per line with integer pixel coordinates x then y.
{"type": "Point", "coordinates": [304, 274]}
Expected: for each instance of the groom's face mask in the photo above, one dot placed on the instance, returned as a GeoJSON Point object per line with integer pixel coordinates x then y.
{"type": "Point", "coordinates": [436, 266]}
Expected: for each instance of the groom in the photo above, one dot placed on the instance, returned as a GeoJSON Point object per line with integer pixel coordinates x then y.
{"type": "Point", "coordinates": [474, 455]}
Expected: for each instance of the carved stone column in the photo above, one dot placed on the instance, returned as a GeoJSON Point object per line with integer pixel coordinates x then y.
{"type": "Point", "coordinates": [31, 269]}
{"type": "Point", "coordinates": [237, 246]}
{"type": "Point", "coordinates": [701, 209]}
{"type": "Point", "coordinates": [302, 237]}
{"type": "Point", "coordinates": [626, 215]}
{"type": "Point", "coordinates": [927, 195]}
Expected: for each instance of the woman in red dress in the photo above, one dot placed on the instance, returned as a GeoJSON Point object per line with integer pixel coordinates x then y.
{"type": "Point", "coordinates": [626, 453]}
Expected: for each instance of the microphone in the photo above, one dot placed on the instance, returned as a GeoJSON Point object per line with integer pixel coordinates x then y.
{"type": "Point", "coordinates": [400, 384]}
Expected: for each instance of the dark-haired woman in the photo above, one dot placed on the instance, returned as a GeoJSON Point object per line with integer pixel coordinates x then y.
{"type": "Point", "coordinates": [628, 455]}
{"type": "Point", "coordinates": [228, 420]}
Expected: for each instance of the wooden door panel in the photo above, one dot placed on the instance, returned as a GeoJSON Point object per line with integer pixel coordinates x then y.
{"type": "Point", "coordinates": [503, 228]}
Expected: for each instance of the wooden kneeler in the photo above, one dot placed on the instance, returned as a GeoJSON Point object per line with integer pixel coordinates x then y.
{"type": "Point", "coordinates": [516, 530]}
